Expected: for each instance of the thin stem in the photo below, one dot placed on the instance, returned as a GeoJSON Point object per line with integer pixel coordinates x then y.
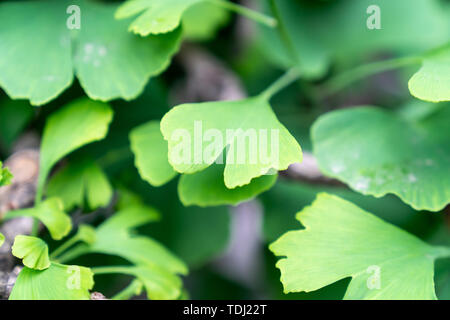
{"type": "Point", "coordinates": [346, 78]}
{"type": "Point", "coordinates": [111, 269]}
{"type": "Point", "coordinates": [290, 76]}
{"type": "Point", "coordinates": [73, 253]}
{"type": "Point", "coordinates": [442, 252]}
{"type": "Point", "coordinates": [251, 14]}
{"type": "Point", "coordinates": [64, 247]}
{"type": "Point", "coordinates": [282, 30]}
{"type": "Point", "coordinates": [133, 289]}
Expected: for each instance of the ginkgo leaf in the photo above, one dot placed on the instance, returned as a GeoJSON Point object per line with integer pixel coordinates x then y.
{"type": "Point", "coordinates": [205, 188]}
{"type": "Point", "coordinates": [109, 61]}
{"type": "Point", "coordinates": [80, 180]}
{"type": "Point", "coordinates": [5, 176]}
{"type": "Point", "coordinates": [432, 81]}
{"type": "Point", "coordinates": [32, 250]}
{"type": "Point", "coordinates": [2, 239]}
{"type": "Point", "coordinates": [202, 20]}
{"type": "Point", "coordinates": [58, 282]}
{"type": "Point", "coordinates": [50, 213]}
{"type": "Point", "coordinates": [317, 34]}
{"type": "Point", "coordinates": [155, 16]}
{"type": "Point", "coordinates": [150, 150]}
{"type": "Point", "coordinates": [377, 152]}
{"type": "Point", "coordinates": [76, 124]}
{"type": "Point", "coordinates": [256, 141]}
{"type": "Point", "coordinates": [341, 240]}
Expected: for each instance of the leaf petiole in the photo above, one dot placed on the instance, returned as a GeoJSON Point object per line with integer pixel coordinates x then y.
{"type": "Point", "coordinates": [290, 76]}
{"type": "Point", "coordinates": [249, 13]}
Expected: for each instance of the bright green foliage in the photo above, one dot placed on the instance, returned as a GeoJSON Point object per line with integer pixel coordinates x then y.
{"type": "Point", "coordinates": [58, 282]}
{"type": "Point", "coordinates": [151, 151]}
{"type": "Point", "coordinates": [341, 240]}
{"type": "Point", "coordinates": [33, 251]}
{"type": "Point", "coordinates": [205, 188]}
{"type": "Point", "coordinates": [156, 16]}
{"type": "Point", "coordinates": [5, 176]}
{"type": "Point", "coordinates": [242, 162]}
{"type": "Point", "coordinates": [202, 20]}
{"type": "Point", "coordinates": [51, 213]}
{"type": "Point", "coordinates": [318, 33]}
{"type": "Point", "coordinates": [79, 181]}
{"type": "Point", "coordinates": [432, 81]}
{"type": "Point", "coordinates": [76, 124]}
{"type": "Point", "coordinates": [108, 61]}
{"type": "Point", "coordinates": [377, 152]}
{"type": "Point", "coordinates": [2, 239]}
{"type": "Point", "coordinates": [116, 237]}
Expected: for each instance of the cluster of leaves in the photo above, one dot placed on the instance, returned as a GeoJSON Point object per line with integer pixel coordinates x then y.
{"type": "Point", "coordinates": [119, 47]}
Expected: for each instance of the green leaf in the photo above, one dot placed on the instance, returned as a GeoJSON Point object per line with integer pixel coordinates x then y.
{"type": "Point", "coordinates": [229, 124]}
{"type": "Point", "coordinates": [205, 188]}
{"type": "Point", "coordinates": [80, 180]}
{"type": "Point", "coordinates": [151, 151]}
{"type": "Point", "coordinates": [432, 81]}
{"type": "Point", "coordinates": [202, 20]}
{"type": "Point", "coordinates": [50, 213]}
{"type": "Point", "coordinates": [341, 240]}
{"type": "Point", "coordinates": [155, 16]}
{"type": "Point", "coordinates": [2, 239]}
{"type": "Point", "coordinates": [5, 176]}
{"type": "Point", "coordinates": [377, 152]}
{"type": "Point", "coordinates": [33, 251]}
{"type": "Point", "coordinates": [76, 124]}
{"type": "Point", "coordinates": [318, 33]}
{"type": "Point", "coordinates": [58, 282]}
{"type": "Point", "coordinates": [108, 61]}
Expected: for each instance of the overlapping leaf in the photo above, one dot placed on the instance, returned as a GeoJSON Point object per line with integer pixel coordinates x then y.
{"type": "Point", "coordinates": [58, 282]}
{"type": "Point", "coordinates": [432, 81]}
{"type": "Point", "coordinates": [257, 142]}
{"type": "Point", "coordinates": [377, 152]}
{"type": "Point", "coordinates": [78, 123]}
{"type": "Point", "coordinates": [205, 188]}
{"type": "Point", "coordinates": [108, 61]}
{"type": "Point", "coordinates": [33, 251]}
{"type": "Point", "coordinates": [50, 213]}
{"type": "Point", "coordinates": [317, 34]}
{"type": "Point", "coordinates": [341, 240]}
{"type": "Point", "coordinates": [79, 181]}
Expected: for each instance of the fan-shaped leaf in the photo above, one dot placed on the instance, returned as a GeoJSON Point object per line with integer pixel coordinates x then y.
{"type": "Point", "coordinates": [78, 181]}
{"type": "Point", "coordinates": [58, 282]}
{"type": "Point", "coordinates": [78, 123]}
{"type": "Point", "coordinates": [5, 176]}
{"type": "Point", "coordinates": [33, 251]}
{"type": "Point", "coordinates": [377, 152]}
{"type": "Point", "coordinates": [229, 124]}
{"type": "Point", "coordinates": [341, 240]}
{"type": "Point", "coordinates": [432, 81]}
{"type": "Point", "coordinates": [50, 213]}
{"type": "Point", "coordinates": [108, 61]}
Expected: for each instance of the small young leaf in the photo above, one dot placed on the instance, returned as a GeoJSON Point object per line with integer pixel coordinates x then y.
{"type": "Point", "coordinates": [150, 150]}
{"type": "Point", "coordinates": [2, 239]}
{"type": "Point", "coordinates": [432, 81]}
{"type": "Point", "coordinates": [78, 181]}
{"type": "Point", "coordinates": [5, 176]}
{"type": "Point", "coordinates": [78, 123]}
{"type": "Point", "coordinates": [232, 123]}
{"type": "Point", "coordinates": [341, 240]}
{"type": "Point", "coordinates": [50, 213]}
{"type": "Point", "coordinates": [87, 234]}
{"type": "Point", "coordinates": [32, 250]}
{"type": "Point", "coordinates": [155, 16]}
{"type": "Point", "coordinates": [377, 152]}
{"type": "Point", "coordinates": [109, 61]}
{"type": "Point", "coordinates": [58, 282]}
